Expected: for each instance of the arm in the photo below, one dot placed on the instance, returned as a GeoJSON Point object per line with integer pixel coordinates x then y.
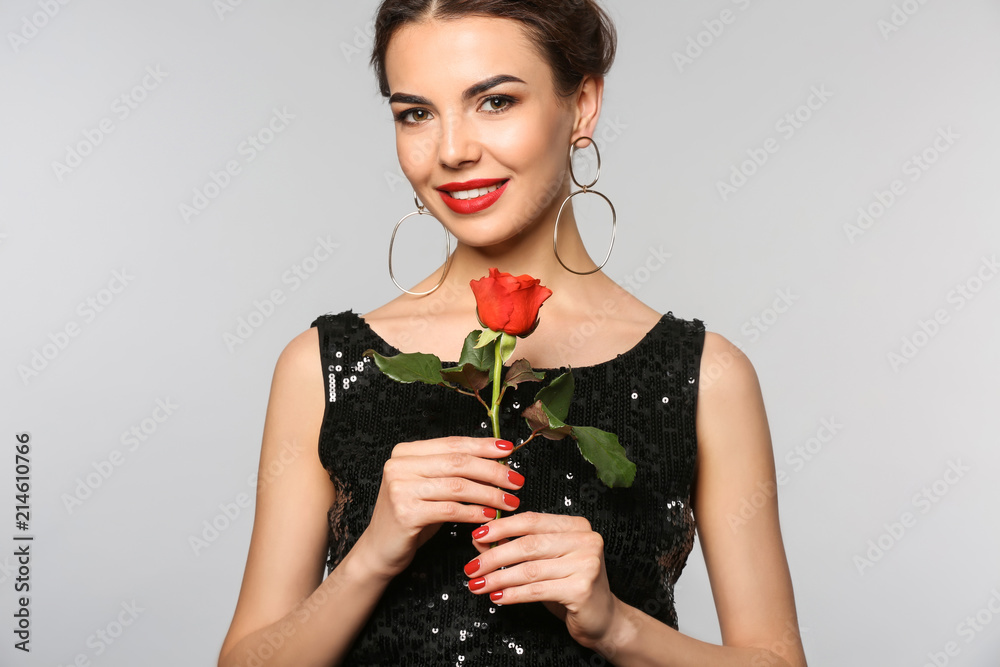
{"type": "Point", "coordinates": [284, 615]}
{"type": "Point", "coordinates": [745, 557]}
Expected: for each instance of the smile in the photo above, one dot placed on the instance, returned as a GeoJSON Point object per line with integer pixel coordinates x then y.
{"type": "Point", "coordinates": [472, 196]}
{"type": "Point", "coordinates": [475, 193]}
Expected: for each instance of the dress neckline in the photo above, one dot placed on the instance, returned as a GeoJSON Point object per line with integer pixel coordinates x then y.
{"type": "Point", "coordinates": [647, 337]}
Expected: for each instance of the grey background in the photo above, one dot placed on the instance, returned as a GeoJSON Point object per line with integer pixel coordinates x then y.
{"type": "Point", "coordinates": [668, 135]}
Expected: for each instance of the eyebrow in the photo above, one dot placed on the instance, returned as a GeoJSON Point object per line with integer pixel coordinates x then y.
{"type": "Point", "coordinates": [469, 93]}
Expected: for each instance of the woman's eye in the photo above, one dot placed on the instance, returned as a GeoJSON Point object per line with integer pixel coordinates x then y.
{"type": "Point", "coordinates": [419, 115]}
{"type": "Point", "coordinates": [496, 103]}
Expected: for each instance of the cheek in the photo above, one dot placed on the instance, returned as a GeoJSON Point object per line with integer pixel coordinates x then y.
{"type": "Point", "coordinates": [415, 152]}
{"type": "Point", "coordinates": [530, 150]}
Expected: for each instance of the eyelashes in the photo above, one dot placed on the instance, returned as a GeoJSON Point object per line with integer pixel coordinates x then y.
{"type": "Point", "coordinates": [508, 101]}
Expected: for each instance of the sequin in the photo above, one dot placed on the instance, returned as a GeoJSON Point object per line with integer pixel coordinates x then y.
{"type": "Point", "coordinates": [648, 529]}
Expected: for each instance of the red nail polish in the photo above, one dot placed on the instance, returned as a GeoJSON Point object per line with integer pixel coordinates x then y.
{"type": "Point", "coordinates": [496, 595]}
{"type": "Point", "coordinates": [480, 532]}
{"type": "Point", "coordinates": [505, 445]}
{"type": "Point", "coordinates": [471, 567]}
{"type": "Point", "coordinates": [476, 584]}
{"type": "Point", "coordinates": [511, 501]}
{"type": "Point", "coordinates": [489, 512]}
{"type": "Point", "coordinates": [514, 477]}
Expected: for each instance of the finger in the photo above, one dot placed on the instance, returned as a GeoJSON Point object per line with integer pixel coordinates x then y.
{"type": "Point", "coordinates": [529, 523]}
{"type": "Point", "coordinates": [534, 581]}
{"type": "Point", "coordinates": [484, 547]}
{"type": "Point", "coordinates": [535, 547]}
{"type": "Point", "coordinates": [467, 491]}
{"type": "Point", "coordinates": [454, 465]}
{"type": "Point", "coordinates": [493, 473]}
{"type": "Point", "coordinates": [555, 590]}
{"type": "Point", "coordinates": [523, 574]}
{"type": "Point", "coordinates": [483, 447]}
{"type": "Point", "coordinates": [453, 512]}
{"type": "Point", "coordinates": [459, 456]}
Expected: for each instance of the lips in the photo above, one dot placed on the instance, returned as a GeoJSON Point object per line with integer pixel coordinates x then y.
{"type": "Point", "coordinates": [473, 201]}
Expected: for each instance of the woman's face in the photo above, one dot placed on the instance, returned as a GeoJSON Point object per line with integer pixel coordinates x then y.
{"type": "Point", "coordinates": [474, 101]}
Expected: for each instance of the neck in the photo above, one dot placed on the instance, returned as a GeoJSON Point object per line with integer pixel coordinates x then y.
{"type": "Point", "coordinates": [530, 252]}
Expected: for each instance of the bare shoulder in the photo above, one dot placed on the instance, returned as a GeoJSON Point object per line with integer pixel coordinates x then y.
{"type": "Point", "coordinates": [726, 372]}
{"type": "Point", "coordinates": [301, 355]}
{"type": "Point", "coordinates": [731, 421]}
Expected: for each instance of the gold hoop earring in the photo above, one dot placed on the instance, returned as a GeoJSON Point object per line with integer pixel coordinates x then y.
{"type": "Point", "coordinates": [421, 210]}
{"type": "Point", "coordinates": [585, 189]}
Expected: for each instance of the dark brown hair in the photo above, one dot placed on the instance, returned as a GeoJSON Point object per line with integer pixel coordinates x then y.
{"type": "Point", "coordinates": [576, 37]}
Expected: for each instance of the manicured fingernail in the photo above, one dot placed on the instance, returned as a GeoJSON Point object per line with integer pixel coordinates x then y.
{"type": "Point", "coordinates": [495, 595]}
{"type": "Point", "coordinates": [505, 445]}
{"type": "Point", "coordinates": [471, 567]}
{"type": "Point", "coordinates": [511, 501]}
{"type": "Point", "coordinates": [480, 532]}
{"type": "Point", "coordinates": [489, 512]}
{"type": "Point", "coordinates": [476, 584]}
{"type": "Point", "coordinates": [514, 477]}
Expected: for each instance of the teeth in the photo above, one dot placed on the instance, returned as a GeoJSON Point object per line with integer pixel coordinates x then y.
{"type": "Point", "coordinates": [479, 192]}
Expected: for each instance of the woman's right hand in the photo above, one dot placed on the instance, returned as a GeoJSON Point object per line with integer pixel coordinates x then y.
{"type": "Point", "coordinates": [426, 483]}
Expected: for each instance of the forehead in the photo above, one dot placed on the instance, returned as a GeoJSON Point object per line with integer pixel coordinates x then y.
{"type": "Point", "coordinates": [451, 53]}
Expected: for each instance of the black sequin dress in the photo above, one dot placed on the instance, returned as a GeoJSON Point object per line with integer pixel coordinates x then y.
{"type": "Point", "coordinates": [427, 616]}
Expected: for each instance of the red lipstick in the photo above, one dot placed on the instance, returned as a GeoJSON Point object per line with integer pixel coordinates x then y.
{"type": "Point", "coordinates": [469, 206]}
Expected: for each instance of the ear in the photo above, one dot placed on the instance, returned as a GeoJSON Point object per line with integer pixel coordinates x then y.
{"type": "Point", "coordinates": [588, 107]}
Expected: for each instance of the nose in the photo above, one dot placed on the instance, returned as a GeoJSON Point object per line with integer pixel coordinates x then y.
{"type": "Point", "coordinates": [458, 145]}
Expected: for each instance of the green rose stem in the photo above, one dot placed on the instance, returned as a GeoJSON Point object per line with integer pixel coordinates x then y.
{"type": "Point", "coordinates": [495, 406]}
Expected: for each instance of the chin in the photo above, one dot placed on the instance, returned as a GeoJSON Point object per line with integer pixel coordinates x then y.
{"type": "Point", "coordinates": [486, 236]}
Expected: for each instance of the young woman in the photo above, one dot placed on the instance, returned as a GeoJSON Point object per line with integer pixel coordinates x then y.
{"type": "Point", "coordinates": [489, 97]}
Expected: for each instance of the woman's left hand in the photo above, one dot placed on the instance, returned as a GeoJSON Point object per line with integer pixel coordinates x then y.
{"type": "Point", "coordinates": [550, 558]}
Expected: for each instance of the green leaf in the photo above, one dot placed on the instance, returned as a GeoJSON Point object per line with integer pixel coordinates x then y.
{"type": "Point", "coordinates": [521, 371]}
{"type": "Point", "coordinates": [604, 451]}
{"type": "Point", "coordinates": [545, 423]}
{"type": "Point", "coordinates": [556, 396]}
{"type": "Point", "coordinates": [409, 366]}
{"type": "Point", "coordinates": [468, 376]}
{"type": "Point", "coordinates": [479, 357]}
{"type": "Point", "coordinates": [487, 337]}
{"type": "Point", "coordinates": [507, 343]}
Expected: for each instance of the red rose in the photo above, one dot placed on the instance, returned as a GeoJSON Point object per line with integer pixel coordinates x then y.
{"type": "Point", "coordinates": [509, 303]}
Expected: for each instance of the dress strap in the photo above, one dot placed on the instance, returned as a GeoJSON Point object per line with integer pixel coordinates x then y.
{"type": "Point", "coordinates": [335, 331]}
